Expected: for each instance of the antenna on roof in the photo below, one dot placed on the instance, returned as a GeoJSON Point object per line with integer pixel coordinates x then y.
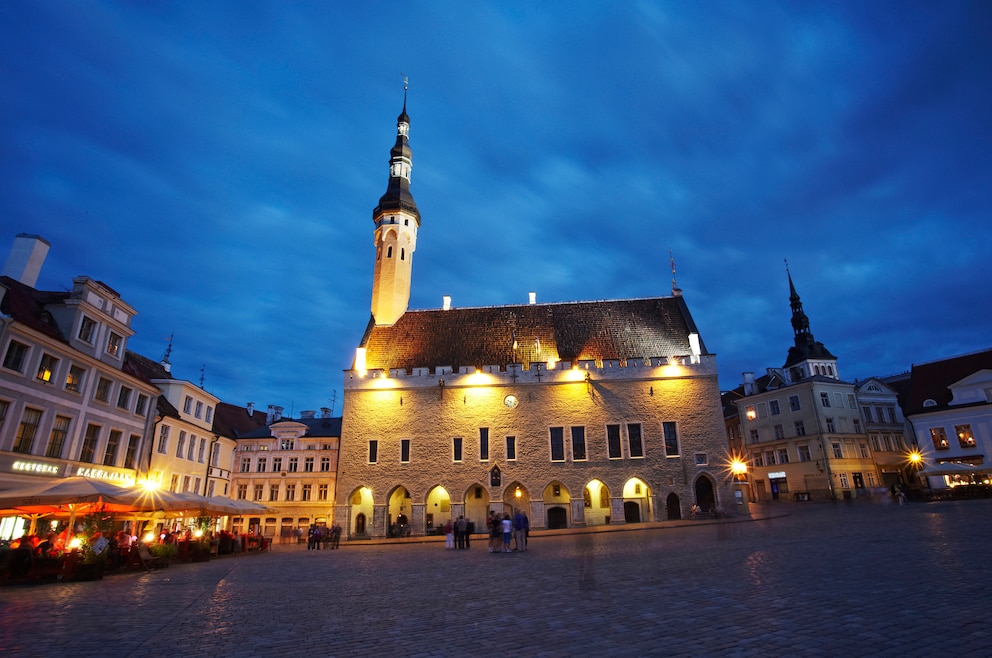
{"type": "Point", "coordinates": [202, 369]}
{"type": "Point", "coordinates": [168, 350]}
{"type": "Point", "coordinates": [676, 291]}
{"type": "Point", "coordinates": [334, 399]}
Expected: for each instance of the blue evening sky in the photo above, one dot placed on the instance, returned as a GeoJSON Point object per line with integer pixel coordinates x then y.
{"type": "Point", "coordinates": [217, 164]}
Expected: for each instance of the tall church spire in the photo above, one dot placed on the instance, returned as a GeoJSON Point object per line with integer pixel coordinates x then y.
{"type": "Point", "coordinates": [807, 357]}
{"type": "Point", "coordinates": [396, 222]}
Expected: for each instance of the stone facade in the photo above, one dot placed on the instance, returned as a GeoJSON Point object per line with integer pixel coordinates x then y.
{"type": "Point", "coordinates": [430, 484]}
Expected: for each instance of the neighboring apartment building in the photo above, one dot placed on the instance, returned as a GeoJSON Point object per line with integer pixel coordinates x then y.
{"type": "Point", "coordinates": [581, 413]}
{"type": "Point", "coordinates": [289, 466]}
{"type": "Point", "coordinates": [70, 404]}
{"type": "Point", "coordinates": [186, 453]}
{"type": "Point", "coordinates": [950, 408]}
{"type": "Point", "coordinates": [886, 429]}
{"type": "Point", "coordinates": [802, 426]}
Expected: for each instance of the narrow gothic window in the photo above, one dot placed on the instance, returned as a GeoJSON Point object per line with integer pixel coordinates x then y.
{"type": "Point", "coordinates": [389, 252]}
{"type": "Point", "coordinates": [402, 254]}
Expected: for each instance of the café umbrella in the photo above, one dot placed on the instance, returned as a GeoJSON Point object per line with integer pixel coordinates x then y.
{"type": "Point", "coordinates": [77, 495]}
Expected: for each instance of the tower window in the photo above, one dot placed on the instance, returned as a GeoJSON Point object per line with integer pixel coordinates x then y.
{"type": "Point", "coordinates": [389, 252]}
{"type": "Point", "coordinates": [402, 254]}
{"type": "Point", "coordinates": [406, 222]}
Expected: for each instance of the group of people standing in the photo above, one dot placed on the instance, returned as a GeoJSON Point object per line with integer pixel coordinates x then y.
{"type": "Point", "coordinates": [316, 535]}
{"type": "Point", "coordinates": [458, 533]}
{"type": "Point", "coordinates": [502, 530]}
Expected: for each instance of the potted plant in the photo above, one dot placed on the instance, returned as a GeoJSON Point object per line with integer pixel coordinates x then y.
{"type": "Point", "coordinates": [200, 545]}
{"type": "Point", "coordinates": [91, 547]}
{"type": "Point", "coordinates": [164, 552]}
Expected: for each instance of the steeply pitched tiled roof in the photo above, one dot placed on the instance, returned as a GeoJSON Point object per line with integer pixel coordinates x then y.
{"type": "Point", "coordinates": [316, 428]}
{"type": "Point", "coordinates": [27, 306]}
{"type": "Point", "coordinates": [929, 381]}
{"type": "Point", "coordinates": [143, 367]}
{"type": "Point", "coordinates": [233, 421]}
{"type": "Point", "coordinates": [568, 331]}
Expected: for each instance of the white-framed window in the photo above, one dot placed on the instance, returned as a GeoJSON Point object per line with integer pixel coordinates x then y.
{"type": "Point", "coordinates": [794, 404]}
{"type": "Point", "coordinates": [27, 430]}
{"type": "Point", "coordinates": [163, 439]}
{"type": "Point", "coordinates": [845, 483]}
{"type": "Point", "coordinates": [124, 397]}
{"type": "Point", "coordinates": [60, 430]}
{"type": "Point", "coordinates": [261, 465]}
{"type": "Point", "coordinates": [557, 444]}
{"type": "Point", "coordinates": [779, 431]}
{"type": "Point", "coordinates": [830, 425]}
{"type": "Point", "coordinates": [74, 378]}
{"type": "Point", "coordinates": [578, 443]}
{"type": "Point", "coordinates": [483, 444]}
{"type": "Point", "coordinates": [199, 409]}
{"type": "Point", "coordinates": [103, 386]}
{"type": "Point", "coordinates": [634, 441]}
{"type": "Point", "coordinates": [773, 407]}
{"type": "Point", "coordinates": [87, 330]}
{"type": "Point", "coordinates": [783, 456]}
{"type": "Point", "coordinates": [670, 430]}
{"type": "Point", "coordinates": [114, 342]}
{"type": "Point", "coordinates": [46, 368]}
{"type": "Point", "coordinates": [141, 405]}
{"type": "Point", "coordinates": [837, 450]}
{"type": "Point", "coordinates": [803, 452]}
{"type": "Point", "coordinates": [824, 399]}
{"type": "Point", "coordinates": [702, 459]}
{"type": "Point", "coordinates": [209, 416]}
{"type": "Point", "coordinates": [181, 444]}
{"type": "Point", "coordinates": [245, 464]}
{"type": "Point", "coordinates": [188, 404]}
{"type": "Point", "coordinates": [16, 356]}
{"type": "Point", "coordinates": [294, 463]}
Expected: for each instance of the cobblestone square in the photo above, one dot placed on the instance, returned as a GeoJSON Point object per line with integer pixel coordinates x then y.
{"type": "Point", "coordinates": [844, 578]}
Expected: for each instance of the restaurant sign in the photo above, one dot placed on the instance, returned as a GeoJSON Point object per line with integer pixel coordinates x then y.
{"type": "Point", "coordinates": [109, 476]}
{"type": "Point", "coordinates": [777, 475]}
{"type": "Point", "coordinates": [35, 467]}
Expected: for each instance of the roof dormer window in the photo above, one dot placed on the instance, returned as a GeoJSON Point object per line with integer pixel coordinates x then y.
{"type": "Point", "coordinates": [114, 343]}
{"type": "Point", "coordinates": [87, 329]}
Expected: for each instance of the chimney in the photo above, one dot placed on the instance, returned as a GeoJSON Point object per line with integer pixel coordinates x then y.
{"type": "Point", "coordinates": [446, 302]}
{"type": "Point", "coordinates": [27, 255]}
{"type": "Point", "coordinates": [270, 415]}
{"type": "Point", "coordinates": [325, 412]}
{"type": "Point", "coordinates": [276, 413]}
{"type": "Point", "coordinates": [533, 297]}
{"type": "Point", "coordinates": [749, 383]}
{"type": "Point", "coordinates": [251, 408]}
{"type": "Point", "coordinates": [308, 414]}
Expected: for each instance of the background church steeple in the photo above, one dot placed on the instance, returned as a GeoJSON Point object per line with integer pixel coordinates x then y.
{"type": "Point", "coordinates": [396, 221]}
{"type": "Point", "coordinates": [807, 357]}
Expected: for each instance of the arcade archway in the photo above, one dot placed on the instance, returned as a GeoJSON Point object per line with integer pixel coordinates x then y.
{"type": "Point", "coordinates": [596, 501]}
{"type": "Point", "coordinates": [359, 512]}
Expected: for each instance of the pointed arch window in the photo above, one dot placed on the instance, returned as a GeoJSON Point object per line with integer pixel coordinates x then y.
{"type": "Point", "coordinates": [402, 254]}
{"type": "Point", "coordinates": [389, 251]}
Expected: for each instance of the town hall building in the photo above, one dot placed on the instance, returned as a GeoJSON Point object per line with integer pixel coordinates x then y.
{"type": "Point", "coordinates": [577, 413]}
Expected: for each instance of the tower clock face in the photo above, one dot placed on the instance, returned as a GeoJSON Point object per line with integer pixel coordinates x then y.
{"type": "Point", "coordinates": [510, 401]}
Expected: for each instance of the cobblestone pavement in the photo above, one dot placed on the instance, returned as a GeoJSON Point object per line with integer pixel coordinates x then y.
{"type": "Point", "coordinates": [825, 579]}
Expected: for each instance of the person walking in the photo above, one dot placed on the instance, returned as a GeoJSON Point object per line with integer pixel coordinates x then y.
{"type": "Point", "coordinates": [495, 531]}
{"type": "Point", "coordinates": [507, 527]}
{"type": "Point", "coordinates": [460, 528]}
{"type": "Point", "coordinates": [449, 535]}
{"type": "Point", "coordinates": [520, 527]}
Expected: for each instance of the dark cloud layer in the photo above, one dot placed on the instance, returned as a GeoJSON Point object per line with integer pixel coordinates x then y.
{"type": "Point", "coordinates": [218, 163]}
